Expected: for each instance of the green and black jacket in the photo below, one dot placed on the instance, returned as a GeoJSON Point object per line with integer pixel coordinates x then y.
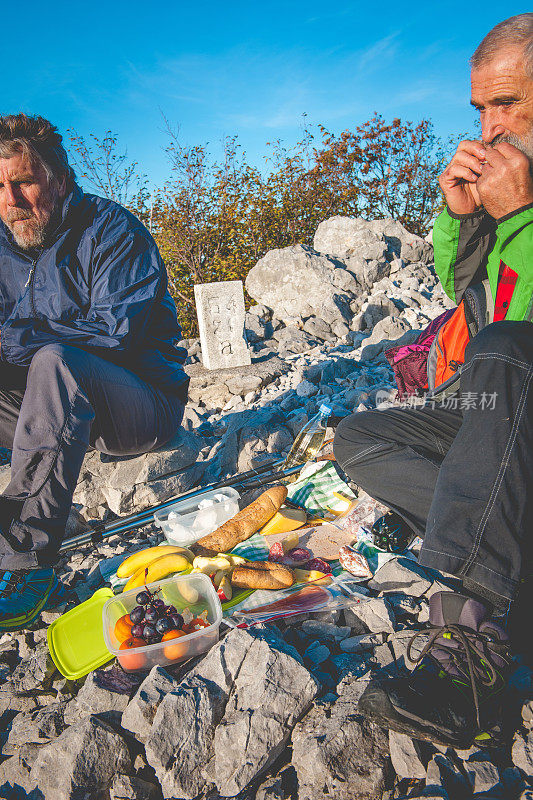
{"type": "Point", "coordinates": [472, 247]}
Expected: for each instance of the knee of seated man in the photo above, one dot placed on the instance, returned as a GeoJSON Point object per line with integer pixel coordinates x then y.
{"type": "Point", "coordinates": [351, 436]}
{"type": "Point", "coordinates": [513, 339]}
{"type": "Point", "coordinates": [48, 356]}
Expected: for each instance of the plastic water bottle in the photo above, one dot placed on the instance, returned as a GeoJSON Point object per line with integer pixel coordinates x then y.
{"type": "Point", "coordinates": [309, 440]}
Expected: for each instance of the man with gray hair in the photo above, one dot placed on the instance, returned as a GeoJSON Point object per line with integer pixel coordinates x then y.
{"type": "Point", "coordinates": [89, 351]}
{"type": "Point", "coordinates": [460, 475]}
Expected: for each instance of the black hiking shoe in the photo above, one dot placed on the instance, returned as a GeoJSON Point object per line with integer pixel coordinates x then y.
{"type": "Point", "coordinates": [453, 696]}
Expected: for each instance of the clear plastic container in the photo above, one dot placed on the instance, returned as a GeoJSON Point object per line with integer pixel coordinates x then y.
{"type": "Point", "coordinates": [194, 592]}
{"type": "Point", "coordinates": [186, 521]}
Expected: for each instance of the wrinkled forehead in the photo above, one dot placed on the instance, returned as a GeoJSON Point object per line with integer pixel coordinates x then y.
{"type": "Point", "coordinates": [19, 165]}
{"type": "Point", "coordinates": [503, 71]}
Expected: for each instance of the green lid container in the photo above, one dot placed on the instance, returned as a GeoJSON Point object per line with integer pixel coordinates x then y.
{"type": "Point", "coordinates": [76, 639]}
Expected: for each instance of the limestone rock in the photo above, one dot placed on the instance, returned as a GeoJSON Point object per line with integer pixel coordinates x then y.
{"type": "Point", "coordinates": [249, 435]}
{"type": "Point", "coordinates": [388, 327]}
{"type": "Point", "coordinates": [325, 631]}
{"type": "Point", "coordinates": [195, 724]}
{"type": "Point", "coordinates": [375, 615]}
{"type": "Point", "coordinates": [442, 773]}
{"type": "Point", "coordinates": [346, 236]}
{"type": "Point", "coordinates": [405, 756]}
{"type": "Point", "coordinates": [482, 774]}
{"type": "Point", "coordinates": [35, 727]}
{"type": "Point", "coordinates": [15, 779]}
{"type": "Point", "coordinates": [92, 699]}
{"type": "Point", "coordinates": [271, 691]}
{"type": "Point", "coordinates": [361, 643]}
{"type": "Point", "coordinates": [317, 328]}
{"type": "Point", "coordinates": [306, 389]}
{"type": "Point", "coordinates": [298, 282]}
{"type": "Point", "coordinates": [400, 574]}
{"type": "Point", "coordinates": [129, 787]}
{"type": "Point", "coordinates": [139, 713]}
{"type": "Point", "coordinates": [85, 758]}
{"type": "Point", "coordinates": [522, 753]}
{"type": "Point", "coordinates": [256, 329]}
{"type": "Point", "coordinates": [339, 753]}
{"type": "Point", "coordinates": [129, 484]}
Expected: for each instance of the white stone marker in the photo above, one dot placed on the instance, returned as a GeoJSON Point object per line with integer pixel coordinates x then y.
{"type": "Point", "coordinates": [220, 310]}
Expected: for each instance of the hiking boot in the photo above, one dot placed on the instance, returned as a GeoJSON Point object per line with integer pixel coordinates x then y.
{"type": "Point", "coordinates": [392, 533]}
{"type": "Point", "coordinates": [24, 594]}
{"type": "Point", "coordinates": [453, 696]}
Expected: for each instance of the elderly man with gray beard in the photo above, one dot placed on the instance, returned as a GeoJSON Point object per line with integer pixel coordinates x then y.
{"type": "Point", "coordinates": [89, 353]}
{"type": "Point", "coordinates": [460, 476]}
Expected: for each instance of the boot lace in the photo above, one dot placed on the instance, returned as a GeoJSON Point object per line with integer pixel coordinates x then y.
{"type": "Point", "coordinates": [466, 650]}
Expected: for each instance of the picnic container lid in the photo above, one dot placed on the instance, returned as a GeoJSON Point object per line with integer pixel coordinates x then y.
{"type": "Point", "coordinates": [76, 641]}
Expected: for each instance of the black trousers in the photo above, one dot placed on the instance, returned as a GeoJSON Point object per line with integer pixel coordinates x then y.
{"type": "Point", "coordinates": [460, 471]}
{"type": "Point", "coordinates": [50, 414]}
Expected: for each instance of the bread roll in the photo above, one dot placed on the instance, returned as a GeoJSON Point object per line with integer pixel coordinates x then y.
{"type": "Point", "coordinates": [244, 524]}
{"type": "Point", "coordinates": [262, 575]}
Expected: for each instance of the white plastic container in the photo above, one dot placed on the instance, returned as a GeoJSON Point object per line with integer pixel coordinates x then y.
{"type": "Point", "coordinates": [186, 521]}
{"type": "Point", "coordinates": [194, 592]}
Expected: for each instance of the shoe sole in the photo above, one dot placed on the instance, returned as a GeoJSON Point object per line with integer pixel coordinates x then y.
{"type": "Point", "coordinates": [376, 705]}
{"type": "Point", "coordinates": [19, 623]}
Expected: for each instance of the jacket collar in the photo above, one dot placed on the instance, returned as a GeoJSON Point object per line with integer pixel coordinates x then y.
{"type": "Point", "coordinates": [70, 203]}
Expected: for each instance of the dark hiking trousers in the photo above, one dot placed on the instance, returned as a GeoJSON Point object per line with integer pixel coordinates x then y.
{"type": "Point", "coordinates": [462, 477]}
{"type": "Point", "coordinates": [50, 414]}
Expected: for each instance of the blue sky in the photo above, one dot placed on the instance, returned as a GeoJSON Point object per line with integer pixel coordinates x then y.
{"type": "Point", "coordinates": [247, 68]}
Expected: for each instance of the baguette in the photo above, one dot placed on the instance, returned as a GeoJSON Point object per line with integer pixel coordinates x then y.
{"type": "Point", "coordinates": [244, 524]}
{"type": "Point", "coordinates": [262, 575]}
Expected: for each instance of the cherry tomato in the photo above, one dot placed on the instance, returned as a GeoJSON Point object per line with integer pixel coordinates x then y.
{"type": "Point", "coordinates": [132, 660]}
{"type": "Point", "coordinates": [123, 627]}
{"type": "Point", "coordinates": [174, 651]}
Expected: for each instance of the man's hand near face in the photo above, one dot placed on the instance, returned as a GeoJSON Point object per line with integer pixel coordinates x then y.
{"type": "Point", "coordinates": [505, 183]}
{"type": "Point", "coordinates": [496, 178]}
{"type": "Point", "coordinates": [458, 181]}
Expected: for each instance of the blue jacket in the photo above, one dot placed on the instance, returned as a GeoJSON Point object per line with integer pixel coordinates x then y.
{"type": "Point", "coordinates": [98, 284]}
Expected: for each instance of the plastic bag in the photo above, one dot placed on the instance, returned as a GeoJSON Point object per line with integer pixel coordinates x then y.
{"type": "Point", "coordinates": [307, 600]}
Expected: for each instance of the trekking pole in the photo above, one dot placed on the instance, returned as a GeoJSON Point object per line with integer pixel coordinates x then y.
{"type": "Point", "coordinates": [251, 479]}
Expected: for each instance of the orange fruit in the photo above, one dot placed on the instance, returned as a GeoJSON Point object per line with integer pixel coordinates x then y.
{"type": "Point", "coordinates": [132, 660]}
{"type": "Point", "coordinates": [174, 651]}
{"type": "Point", "coordinates": [123, 627]}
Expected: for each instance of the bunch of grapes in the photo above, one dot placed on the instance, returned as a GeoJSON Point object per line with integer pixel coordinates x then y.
{"type": "Point", "coordinates": [152, 618]}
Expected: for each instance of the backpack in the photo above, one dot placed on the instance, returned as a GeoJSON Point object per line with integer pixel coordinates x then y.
{"type": "Point", "coordinates": [409, 361]}
{"type": "Point", "coordinates": [447, 352]}
{"type": "Point", "coordinates": [435, 359]}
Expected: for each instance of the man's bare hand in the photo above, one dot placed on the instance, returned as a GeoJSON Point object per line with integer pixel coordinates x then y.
{"type": "Point", "coordinates": [505, 183]}
{"type": "Point", "coordinates": [458, 181]}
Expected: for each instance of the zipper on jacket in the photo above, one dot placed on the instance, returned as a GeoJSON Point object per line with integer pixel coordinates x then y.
{"type": "Point", "coordinates": [29, 283]}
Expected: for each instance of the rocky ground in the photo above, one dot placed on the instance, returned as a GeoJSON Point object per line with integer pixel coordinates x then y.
{"type": "Point", "coordinates": [271, 712]}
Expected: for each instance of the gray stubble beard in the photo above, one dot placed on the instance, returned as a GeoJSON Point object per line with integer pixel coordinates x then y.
{"type": "Point", "coordinates": [37, 232]}
{"type": "Point", "coordinates": [525, 146]}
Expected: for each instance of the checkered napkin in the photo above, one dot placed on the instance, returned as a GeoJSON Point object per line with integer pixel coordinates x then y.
{"type": "Point", "coordinates": [315, 486]}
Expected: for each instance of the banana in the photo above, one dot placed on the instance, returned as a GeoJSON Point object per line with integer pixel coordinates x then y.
{"type": "Point", "coordinates": [157, 570]}
{"type": "Point", "coordinates": [143, 558]}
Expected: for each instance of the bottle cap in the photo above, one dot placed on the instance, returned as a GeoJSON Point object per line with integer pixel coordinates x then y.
{"type": "Point", "coordinates": [324, 409]}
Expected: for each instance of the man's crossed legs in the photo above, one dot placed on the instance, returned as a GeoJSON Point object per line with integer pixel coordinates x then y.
{"type": "Point", "coordinates": [462, 478]}
{"type": "Point", "coordinates": [50, 414]}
